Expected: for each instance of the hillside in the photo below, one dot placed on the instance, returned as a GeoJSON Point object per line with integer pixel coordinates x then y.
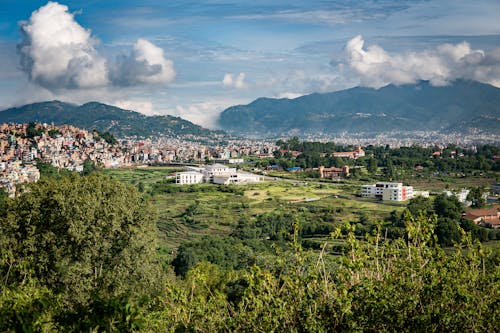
{"type": "Point", "coordinates": [102, 117]}
{"type": "Point", "coordinates": [463, 106]}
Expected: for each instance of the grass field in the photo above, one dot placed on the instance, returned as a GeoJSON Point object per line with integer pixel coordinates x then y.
{"type": "Point", "coordinates": [185, 216]}
{"type": "Point", "coordinates": [209, 209]}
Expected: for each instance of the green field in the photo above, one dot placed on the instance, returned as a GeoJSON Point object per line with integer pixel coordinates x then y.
{"type": "Point", "coordinates": [210, 210]}
{"type": "Point", "coordinates": [187, 213]}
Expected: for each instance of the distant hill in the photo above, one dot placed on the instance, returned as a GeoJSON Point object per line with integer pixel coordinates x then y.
{"type": "Point", "coordinates": [462, 106]}
{"type": "Point", "coordinates": [102, 117]}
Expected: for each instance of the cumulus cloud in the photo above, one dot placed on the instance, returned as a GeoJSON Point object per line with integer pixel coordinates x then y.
{"type": "Point", "coordinates": [376, 68]}
{"type": "Point", "coordinates": [145, 64]}
{"type": "Point", "coordinates": [58, 53]}
{"type": "Point", "coordinates": [234, 81]}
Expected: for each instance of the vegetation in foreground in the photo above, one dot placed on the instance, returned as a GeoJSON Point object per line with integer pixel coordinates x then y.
{"type": "Point", "coordinates": [78, 254]}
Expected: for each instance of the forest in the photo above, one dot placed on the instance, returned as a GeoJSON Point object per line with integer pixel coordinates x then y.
{"type": "Point", "coordinates": [130, 251]}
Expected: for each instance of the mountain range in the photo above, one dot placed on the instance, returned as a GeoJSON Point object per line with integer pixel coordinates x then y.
{"type": "Point", "coordinates": [459, 107]}
{"type": "Point", "coordinates": [104, 118]}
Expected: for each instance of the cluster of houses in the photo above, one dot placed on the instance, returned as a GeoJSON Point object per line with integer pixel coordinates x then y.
{"type": "Point", "coordinates": [215, 174]}
{"type": "Point", "coordinates": [13, 173]}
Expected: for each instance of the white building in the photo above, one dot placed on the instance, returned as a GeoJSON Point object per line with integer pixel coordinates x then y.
{"type": "Point", "coordinates": [388, 191]}
{"type": "Point", "coordinates": [188, 177]}
{"type": "Point", "coordinates": [461, 196]}
{"type": "Point", "coordinates": [216, 174]}
{"type": "Point", "coordinates": [236, 178]}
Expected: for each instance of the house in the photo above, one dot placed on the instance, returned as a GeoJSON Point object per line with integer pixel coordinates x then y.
{"type": "Point", "coordinates": [358, 152]}
{"type": "Point", "coordinates": [387, 191]}
{"type": "Point", "coordinates": [333, 172]}
{"type": "Point", "coordinates": [484, 216]}
{"type": "Point", "coordinates": [215, 174]}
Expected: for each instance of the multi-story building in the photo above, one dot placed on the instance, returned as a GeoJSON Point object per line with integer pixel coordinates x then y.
{"type": "Point", "coordinates": [216, 174]}
{"type": "Point", "coordinates": [188, 177]}
{"type": "Point", "coordinates": [388, 191]}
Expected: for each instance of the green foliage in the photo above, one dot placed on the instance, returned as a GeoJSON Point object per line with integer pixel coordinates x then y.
{"type": "Point", "coordinates": [476, 197]}
{"type": "Point", "coordinates": [378, 285]}
{"type": "Point", "coordinates": [53, 133]}
{"type": "Point", "coordinates": [448, 207]}
{"type": "Point", "coordinates": [89, 167]}
{"type": "Point", "coordinates": [106, 136]}
{"type": "Point", "coordinates": [49, 171]}
{"type": "Point", "coordinates": [90, 241]}
{"type": "Point", "coordinates": [32, 131]}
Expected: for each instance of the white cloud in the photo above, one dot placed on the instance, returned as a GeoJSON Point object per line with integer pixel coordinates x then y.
{"type": "Point", "coordinates": [145, 107]}
{"type": "Point", "coordinates": [57, 53]}
{"type": "Point", "coordinates": [376, 68]}
{"type": "Point", "coordinates": [289, 95]}
{"type": "Point", "coordinates": [234, 81]}
{"type": "Point", "coordinates": [145, 64]}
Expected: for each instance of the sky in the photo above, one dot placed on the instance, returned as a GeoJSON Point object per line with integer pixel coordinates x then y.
{"type": "Point", "coordinates": [195, 58]}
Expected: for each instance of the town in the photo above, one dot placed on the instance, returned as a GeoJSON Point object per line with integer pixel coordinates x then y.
{"type": "Point", "coordinates": [69, 147]}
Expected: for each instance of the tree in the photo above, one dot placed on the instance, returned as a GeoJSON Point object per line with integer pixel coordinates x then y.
{"type": "Point", "coordinates": [448, 206]}
{"type": "Point", "coordinates": [447, 232]}
{"type": "Point", "coordinates": [419, 203]}
{"type": "Point", "coordinates": [32, 131]}
{"type": "Point", "coordinates": [476, 197]}
{"type": "Point", "coordinates": [372, 165]}
{"type": "Point", "coordinates": [88, 167]}
{"type": "Point", "coordinates": [89, 240]}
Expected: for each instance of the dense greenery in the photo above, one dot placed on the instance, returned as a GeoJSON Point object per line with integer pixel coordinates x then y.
{"type": "Point", "coordinates": [81, 248]}
{"type": "Point", "coordinates": [413, 107]}
{"type": "Point", "coordinates": [82, 253]}
{"type": "Point", "coordinates": [390, 163]}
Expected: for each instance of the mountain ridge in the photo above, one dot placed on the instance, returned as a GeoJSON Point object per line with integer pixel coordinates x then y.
{"type": "Point", "coordinates": [462, 106]}
{"type": "Point", "coordinates": [104, 118]}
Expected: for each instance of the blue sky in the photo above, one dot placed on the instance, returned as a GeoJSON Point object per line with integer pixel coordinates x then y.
{"type": "Point", "coordinates": [195, 58]}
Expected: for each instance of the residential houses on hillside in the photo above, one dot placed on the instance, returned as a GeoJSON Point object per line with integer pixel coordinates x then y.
{"type": "Point", "coordinates": [22, 145]}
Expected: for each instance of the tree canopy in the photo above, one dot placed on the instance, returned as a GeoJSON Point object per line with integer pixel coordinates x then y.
{"type": "Point", "coordinates": [88, 240]}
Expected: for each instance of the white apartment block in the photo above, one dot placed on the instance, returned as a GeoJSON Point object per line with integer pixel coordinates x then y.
{"type": "Point", "coordinates": [216, 174]}
{"type": "Point", "coordinates": [188, 177]}
{"type": "Point", "coordinates": [388, 191]}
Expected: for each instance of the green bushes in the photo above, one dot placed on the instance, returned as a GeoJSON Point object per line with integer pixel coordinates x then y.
{"type": "Point", "coordinates": [380, 286]}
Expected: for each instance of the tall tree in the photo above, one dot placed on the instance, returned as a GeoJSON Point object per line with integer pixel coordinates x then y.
{"type": "Point", "coordinates": [89, 240]}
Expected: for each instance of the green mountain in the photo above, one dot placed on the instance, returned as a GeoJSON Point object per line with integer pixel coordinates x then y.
{"type": "Point", "coordinates": [102, 117]}
{"type": "Point", "coordinates": [462, 106]}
